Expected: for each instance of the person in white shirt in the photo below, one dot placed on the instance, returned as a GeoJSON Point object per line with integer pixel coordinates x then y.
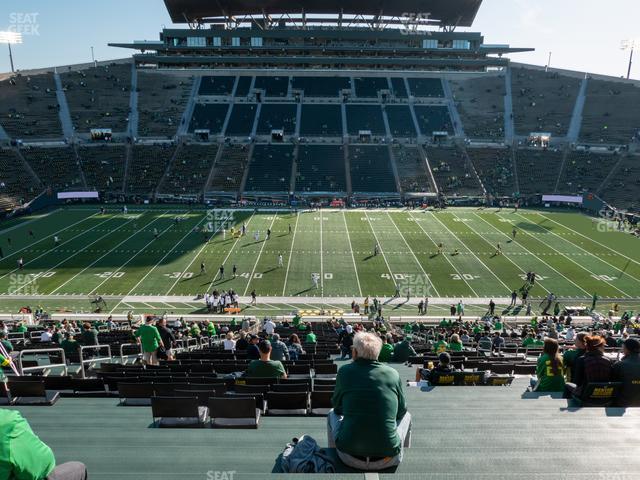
{"type": "Point", "coordinates": [46, 336]}
{"type": "Point", "coordinates": [570, 335]}
{"type": "Point", "coordinates": [269, 327]}
{"type": "Point", "coordinates": [229, 343]}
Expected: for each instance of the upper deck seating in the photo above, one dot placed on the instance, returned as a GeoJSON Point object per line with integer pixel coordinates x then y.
{"type": "Point", "coordinates": [400, 120]}
{"type": "Point", "coordinates": [433, 119]}
{"type": "Point", "coordinates": [209, 116]}
{"type": "Point", "coordinates": [322, 120]}
{"type": "Point", "coordinates": [321, 86]}
{"type": "Point", "coordinates": [221, 85]}
{"type": "Point", "coordinates": [241, 120]}
{"type": "Point", "coordinates": [426, 87]}
{"type": "Point", "coordinates": [399, 87]}
{"type": "Point", "coordinates": [273, 86]}
{"type": "Point", "coordinates": [365, 117]}
{"type": "Point", "coordinates": [480, 103]}
{"type": "Point", "coordinates": [161, 101]}
{"type": "Point", "coordinates": [369, 87]}
{"type": "Point", "coordinates": [275, 116]}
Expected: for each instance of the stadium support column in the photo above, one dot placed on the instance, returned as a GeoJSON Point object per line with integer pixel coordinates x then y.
{"type": "Point", "coordinates": [385, 119]}
{"type": "Point", "coordinates": [4, 137]}
{"type": "Point", "coordinates": [345, 128]}
{"type": "Point", "coordinates": [294, 169]}
{"type": "Point", "coordinates": [576, 118]}
{"type": "Point", "coordinates": [63, 111]}
{"type": "Point", "coordinates": [347, 169]}
{"type": "Point", "coordinates": [509, 130]}
{"type": "Point", "coordinates": [183, 128]}
{"type": "Point", "coordinates": [132, 128]}
{"type": "Point", "coordinates": [256, 118]}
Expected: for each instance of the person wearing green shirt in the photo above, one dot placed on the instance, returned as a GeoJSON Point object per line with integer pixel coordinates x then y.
{"type": "Point", "coordinates": [310, 338]}
{"type": "Point", "coordinates": [23, 456]}
{"type": "Point", "coordinates": [441, 345]}
{"type": "Point", "coordinates": [296, 321]}
{"type": "Point", "coordinates": [569, 357]}
{"type": "Point", "coordinates": [386, 352]}
{"type": "Point", "coordinates": [265, 367]}
{"type": "Point", "coordinates": [21, 328]}
{"type": "Point", "coordinates": [549, 370]}
{"type": "Point", "coordinates": [211, 328]}
{"type": "Point", "coordinates": [407, 328]}
{"type": "Point", "coordinates": [194, 331]}
{"type": "Point", "coordinates": [149, 336]}
{"type": "Point", "coordinates": [4, 362]}
{"type": "Point", "coordinates": [476, 329]}
{"type": "Point", "coordinates": [89, 335]}
{"type": "Point", "coordinates": [71, 347]}
{"type": "Point", "coordinates": [369, 425]}
{"type": "Point", "coordinates": [498, 325]}
{"type": "Point", "coordinates": [8, 346]}
{"type": "Point", "coordinates": [455, 344]}
{"type": "Point", "coordinates": [403, 350]}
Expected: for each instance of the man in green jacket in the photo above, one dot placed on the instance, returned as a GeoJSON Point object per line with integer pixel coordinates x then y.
{"type": "Point", "coordinates": [150, 339]}
{"type": "Point", "coordinates": [369, 425]}
{"type": "Point", "coordinates": [23, 456]}
{"type": "Point", "coordinates": [403, 350]}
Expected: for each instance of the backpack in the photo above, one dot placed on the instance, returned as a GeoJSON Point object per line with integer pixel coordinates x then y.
{"type": "Point", "coordinates": [304, 455]}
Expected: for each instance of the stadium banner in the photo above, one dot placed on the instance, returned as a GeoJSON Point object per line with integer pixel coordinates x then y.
{"type": "Point", "coordinates": [74, 195]}
{"type": "Point", "coordinates": [562, 199]}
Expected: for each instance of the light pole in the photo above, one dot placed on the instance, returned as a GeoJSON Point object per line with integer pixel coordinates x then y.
{"type": "Point", "coordinates": [630, 45]}
{"type": "Point", "coordinates": [549, 62]}
{"type": "Point", "coordinates": [10, 38]}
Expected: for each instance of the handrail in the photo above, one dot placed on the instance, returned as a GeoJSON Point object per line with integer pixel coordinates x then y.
{"type": "Point", "coordinates": [122, 345]}
{"type": "Point", "coordinates": [41, 350]}
{"type": "Point", "coordinates": [192, 344]}
{"type": "Point", "coordinates": [89, 360]}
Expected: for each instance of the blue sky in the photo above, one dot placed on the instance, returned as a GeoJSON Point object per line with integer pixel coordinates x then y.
{"type": "Point", "coordinates": [583, 35]}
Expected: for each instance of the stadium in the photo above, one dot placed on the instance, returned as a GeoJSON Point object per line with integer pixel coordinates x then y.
{"type": "Point", "coordinates": [363, 177]}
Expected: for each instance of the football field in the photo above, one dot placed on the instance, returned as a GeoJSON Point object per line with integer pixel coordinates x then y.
{"type": "Point", "coordinates": [146, 252]}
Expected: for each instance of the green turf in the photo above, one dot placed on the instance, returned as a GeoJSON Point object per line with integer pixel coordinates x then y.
{"type": "Point", "coordinates": [117, 255]}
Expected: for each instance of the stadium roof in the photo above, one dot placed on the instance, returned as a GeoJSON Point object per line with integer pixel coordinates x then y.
{"type": "Point", "coordinates": [449, 12]}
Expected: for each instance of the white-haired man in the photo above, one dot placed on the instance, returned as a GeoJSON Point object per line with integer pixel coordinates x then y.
{"type": "Point", "coordinates": [369, 425]}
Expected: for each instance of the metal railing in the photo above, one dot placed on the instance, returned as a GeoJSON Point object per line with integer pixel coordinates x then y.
{"type": "Point", "coordinates": [22, 369]}
{"type": "Point", "coordinates": [122, 347]}
{"type": "Point", "coordinates": [93, 359]}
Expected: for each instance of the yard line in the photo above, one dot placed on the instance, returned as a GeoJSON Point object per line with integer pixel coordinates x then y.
{"type": "Point", "coordinates": [35, 219]}
{"type": "Point", "coordinates": [321, 258]}
{"type": "Point", "coordinates": [351, 250]}
{"type": "Point", "coordinates": [138, 253]}
{"type": "Point", "coordinates": [275, 214]}
{"type": "Point", "coordinates": [366, 214]}
{"type": "Point", "coordinates": [416, 220]}
{"type": "Point", "coordinates": [594, 241]}
{"type": "Point", "coordinates": [586, 251]}
{"type": "Point", "coordinates": [66, 258]}
{"type": "Point", "coordinates": [52, 235]}
{"type": "Point", "coordinates": [572, 260]}
{"type": "Point", "coordinates": [100, 258]}
{"type": "Point", "coordinates": [506, 256]}
{"type": "Point", "coordinates": [228, 255]}
{"type": "Point", "coordinates": [473, 254]}
{"type": "Point", "coordinates": [160, 261]}
{"type": "Point", "coordinates": [293, 241]}
{"type": "Point", "coordinates": [558, 272]}
{"type": "Point", "coordinates": [414, 255]}
{"type": "Point", "coordinates": [197, 254]}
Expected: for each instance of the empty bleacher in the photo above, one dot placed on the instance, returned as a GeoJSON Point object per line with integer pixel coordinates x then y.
{"type": "Point", "coordinates": [241, 120]}
{"type": "Point", "coordinates": [426, 87]}
{"type": "Point", "coordinates": [542, 101]}
{"type": "Point", "coordinates": [98, 97]}
{"type": "Point", "coordinates": [611, 114]}
{"type": "Point", "coordinates": [103, 166]}
{"type": "Point", "coordinates": [412, 169]}
{"type": "Point", "coordinates": [57, 168]}
{"type": "Point", "coordinates": [495, 168]}
{"type": "Point", "coordinates": [480, 104]}
{"type": "Point", "coordinates": [273, 86]}
{"type": "Point", "coordinates": [320, 168]}
{"type": "Point", "coordinates": [29, 107]}
{"type": "Point", "coordinates": [538, 170]}
{"type": "Point", "coordinates": [433, 119]}
{"type": "Point", "coordinates": [209, 116]}
{"type": "Point", "coordinates": [584, 172]}
{"type": "Point", "coordinates": [244, 85]}
{"type": "Point", "coordinates": [270, 169]}
{"type": "Point", "coordinates": [369, 87]}
{"type": "Point", "coordinates": [399, 87]}
{"type": "Point", "coordinates": [161, 101]}
{"type": "Point", "coordinates": [190, 169]}
{"type": "Point", "coordinates": [321, 86]}
{"type": "Point", "coordinates": [371, 169]}
{"type": "Point", "coordinates": [623, 188]}
{"type": "Point", "coordinates": [365, 117]}
{"type": "Point", "coordinates": [400, 120]}
{"type": "Point", "coordinates": [230, 168]}
{"type": "Point", "coordinates": [275, 116]}
{"type": "Point", "coordinates": [147, 166]}
{"type": "Point", "coordinates": [216, 85]}
{"type": "Point", "coordinates": [16, 183]}
{"type": "Point", "coordinates": [452, 172]}
{"type": "Point", "coordinates": [322, 120]}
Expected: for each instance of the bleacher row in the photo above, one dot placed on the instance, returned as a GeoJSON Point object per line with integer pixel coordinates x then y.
{"type": "Point", "coordinates": [184, 170]}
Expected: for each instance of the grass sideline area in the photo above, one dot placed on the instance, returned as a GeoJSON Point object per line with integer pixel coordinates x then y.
{"type": "Point", "coordinates": [146, 252]}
